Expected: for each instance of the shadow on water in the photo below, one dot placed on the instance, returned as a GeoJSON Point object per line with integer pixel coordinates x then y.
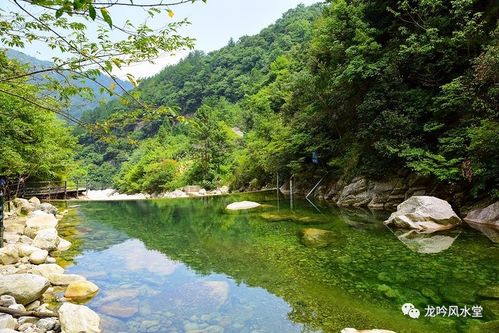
{"type": "Point", "coordinates": [187, 265]}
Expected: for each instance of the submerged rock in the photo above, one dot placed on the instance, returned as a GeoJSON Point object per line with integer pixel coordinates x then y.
{"type": "Point", "coordinates": [424, 213]}
{"type": "Point", "coordinates": [485, 216]}
{"type": "Point", "coordinates": [25, 288]}
{"type": "Point", "coordinates": [243, 205]}
{"type": "Point", "coordinates": [78, 318]}
{"type": "Point", "coordinates": [316, 238]}
{"type": "Point", "coordinates": [293, 217]}
{"type": "Point", "coordinates": [119, 309]}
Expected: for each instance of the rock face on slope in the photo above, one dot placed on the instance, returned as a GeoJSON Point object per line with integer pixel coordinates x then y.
{"type": "Point", "coordinates": [485, 216]}
{"type": "Point", "coordinates": [424, 213]}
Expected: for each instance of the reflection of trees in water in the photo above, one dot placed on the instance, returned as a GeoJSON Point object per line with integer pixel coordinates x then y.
{"type": "Point", "coordinates": [262, 254]}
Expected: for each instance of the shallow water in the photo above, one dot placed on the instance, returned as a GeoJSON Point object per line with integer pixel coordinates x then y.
{"type": "Point", "coordinates": [188, 266]}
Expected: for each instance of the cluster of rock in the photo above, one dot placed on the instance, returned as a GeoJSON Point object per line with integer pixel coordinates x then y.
{"type": "Point", "coordinates": [363, 192]}
{"type": "Point", "coordinates": [30, 278]}
{"type": "Point", "coordinates": [194, 191]}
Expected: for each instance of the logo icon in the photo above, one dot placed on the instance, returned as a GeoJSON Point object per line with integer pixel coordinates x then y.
{"type": "Point", "coordinates": [408, 309]}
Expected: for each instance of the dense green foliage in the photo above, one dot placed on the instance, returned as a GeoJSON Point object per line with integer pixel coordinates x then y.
{"type": "Point", "coordinates": [33, 142]}
{"type": "Point", "coordinates": [373, 88]}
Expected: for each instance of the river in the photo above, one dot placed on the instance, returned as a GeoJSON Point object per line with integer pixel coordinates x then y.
{"type": "Point", "coordinates": [186, 265]}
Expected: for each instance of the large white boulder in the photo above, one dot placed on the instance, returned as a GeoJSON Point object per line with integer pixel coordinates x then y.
{"type": "Point", "coordinates": [243, 205]}
{"type": "Point", "coordinates": [25, 288]}
{"type": "Point", "coordinates": [78, 318]}
{"type": "Point", "coordinates": [424, 213]}
{"type": "Point", "coordinates": [46, 239]}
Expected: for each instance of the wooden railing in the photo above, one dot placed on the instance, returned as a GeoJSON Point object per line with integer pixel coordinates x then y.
{"type": "Point", "coordinates": [46, 189]}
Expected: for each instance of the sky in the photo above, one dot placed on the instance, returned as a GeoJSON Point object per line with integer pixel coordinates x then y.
{"type": "Point", "coordinates": [212, 25]}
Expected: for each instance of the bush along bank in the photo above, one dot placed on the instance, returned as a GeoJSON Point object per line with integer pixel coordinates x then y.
{"type": "Point", "coordinates": [30, 278]}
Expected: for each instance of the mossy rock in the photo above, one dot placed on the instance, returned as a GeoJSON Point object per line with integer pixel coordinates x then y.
{"type": "Point", "coordinates": [490, 292]}
{"type": "Point", "coordinates": [491, 309]}
{"type": "Point", "coordinates": [388, 291]}
{"type": "Point", "coordinates": [316, 238]}
{"type": "Point", "coordinates": [293, 217]}
{"type": "Point", "coordinates": [458, 294]}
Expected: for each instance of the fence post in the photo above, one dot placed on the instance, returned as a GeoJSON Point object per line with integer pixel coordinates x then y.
{"type": "Point", "coordinates": [2, 186]}
{"type": "Point", "coordinates": [65, 189]}
{"type": "Point", "coordinates": [77, 187]}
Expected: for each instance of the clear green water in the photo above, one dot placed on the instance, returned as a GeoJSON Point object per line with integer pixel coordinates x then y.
{"type": "Point", "coordinates": [188, 266]}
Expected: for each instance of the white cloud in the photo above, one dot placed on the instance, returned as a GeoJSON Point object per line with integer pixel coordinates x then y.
{"type": "Point", "coordinates": [146, 69]}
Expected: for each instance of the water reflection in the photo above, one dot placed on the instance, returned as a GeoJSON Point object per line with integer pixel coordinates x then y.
{"type": "Point", "coordinates": [186, 265]}
{"type": "Point", "coordinates": [426, 243]}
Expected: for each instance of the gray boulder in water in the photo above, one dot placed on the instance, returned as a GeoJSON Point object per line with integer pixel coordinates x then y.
{"type": "Point", "coordinates": [425, 214]}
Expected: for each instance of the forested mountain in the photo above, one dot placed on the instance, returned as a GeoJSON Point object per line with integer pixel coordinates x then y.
{"type": "Point", "coordinates": [78, 104]}
{"type": "Point", "coordinates": [372, 88]}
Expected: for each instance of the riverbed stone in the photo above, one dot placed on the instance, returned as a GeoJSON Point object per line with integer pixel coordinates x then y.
{"type": "Point", "coordinates": [48, 208]}
{"type": "Point", "coordinates": [34, 201]}
{"type": "Point", "coordinates": [7, 300]}
{"type": "Point", "coordinates": [78, 318]}
{"type": "Point", "coordinates": [23, 206]}
{"type": "Point", "coordinates": [40, 220]}
{"type": "Point", "coordinates": [242, 205]}
{"type": "Point", "coordinates": [316, 238]}
{"type": "Point", "coordinates": [58, 279]}
{"type": "Point", "coordinates": [9, 254]}
{"type": "Point", "coordinates": [7, 321]}
{"type": "Point", "coordinates": [424, 213]}
{"type": "Point", "coordinates": [25, 250]}
{"type": "Point", "coordinates": [47, 324]}
{"type": "Point", "coordinates": [120, 309]}
{"type": "Point", "coordinates": [11, 237]}
{"type": "Point", "coordinates": [38, 257]}
{"type": "Point", "coordinates": [81, 290]}
{"type": "Point", "coordinates": [63, 245]}
{"type": "Point", "coordinates": [46, 239]}
{"type": "Point", "coordinates": [485, 216]}
{"type": "Point", "coordinates": [25, 288]}
{"type": "Point", "coordinates": [46, 270]}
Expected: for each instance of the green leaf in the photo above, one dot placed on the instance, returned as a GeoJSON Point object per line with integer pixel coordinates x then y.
{"type": "Point", "coordinates": [92, 12]}
{"type": "Point", "coordinates": [106, 16]}
{"type": "Point", "coordinates": [59, 12]}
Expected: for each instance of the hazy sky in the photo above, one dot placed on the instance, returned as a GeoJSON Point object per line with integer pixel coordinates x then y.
{"type": "Point", "coordinates": [212, 25]}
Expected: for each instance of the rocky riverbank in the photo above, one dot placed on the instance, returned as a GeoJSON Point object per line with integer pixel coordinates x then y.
{"type": "Point", "coordinates": [186, 192]}
{"type": "Point", "coordinates": [35, 294]}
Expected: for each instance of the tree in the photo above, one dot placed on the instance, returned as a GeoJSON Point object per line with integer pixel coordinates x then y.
{"type": "Point", "coordinates": [66, 26]}
{"type": "Point", "coordinates": [33, 142]}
